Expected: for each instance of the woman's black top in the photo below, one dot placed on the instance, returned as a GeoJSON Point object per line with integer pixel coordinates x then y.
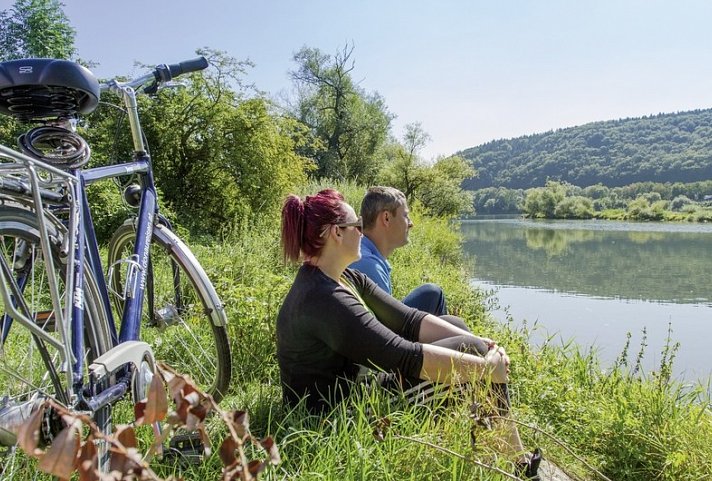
{"type": "Point", "coordinates": [324, 332]}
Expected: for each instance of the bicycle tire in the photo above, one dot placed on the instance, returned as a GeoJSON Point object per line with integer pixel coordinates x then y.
{"type": "Point", "coordinates": [24, 372]}
{"type": "Point", "coordinates": [178, 294]}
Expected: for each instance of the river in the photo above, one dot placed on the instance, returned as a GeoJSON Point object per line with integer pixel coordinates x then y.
{"type": "Point", "coordinates": [595, 281]}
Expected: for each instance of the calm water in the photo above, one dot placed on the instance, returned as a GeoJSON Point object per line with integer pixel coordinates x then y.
{"type": "Point", "coordinates": [596, 281]}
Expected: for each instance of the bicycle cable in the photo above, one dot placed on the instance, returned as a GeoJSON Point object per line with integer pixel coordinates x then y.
{"type": "Point", "coordinates": [56, 146]}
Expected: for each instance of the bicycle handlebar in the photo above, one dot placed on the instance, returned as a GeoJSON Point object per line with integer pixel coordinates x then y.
{"type": "Point", "coordinates": [164, 73]}
{"type": "Point", "coordinates": [161, 74]}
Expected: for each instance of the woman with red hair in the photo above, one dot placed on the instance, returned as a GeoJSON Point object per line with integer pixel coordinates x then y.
{"type": "Point", "coordinates": [335, 320]}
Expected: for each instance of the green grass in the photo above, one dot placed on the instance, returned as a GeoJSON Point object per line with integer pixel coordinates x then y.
{"type": "Point", "coordinates": [627, 424]}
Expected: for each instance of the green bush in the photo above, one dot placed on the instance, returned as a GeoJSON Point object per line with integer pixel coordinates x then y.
{"type": "Point", "coordinates": [575, 207]}
{"type": "Point", "coordinates": [680, 202]}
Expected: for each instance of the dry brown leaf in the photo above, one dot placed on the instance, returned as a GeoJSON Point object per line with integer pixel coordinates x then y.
{"type": "Point", "coordinates": [175, 387]}
{"type": "Point", "coordinates": [182, 413]}
{"type": "Point", "coordinates": [256, 467]}
{"type": "Point", "coordinates": [28, 433]}
{"type": "Point", "coordinates": [270, 447]}
{"type": "Point", "coordinates": [227, 451]}
{"type": "Point", "coordinates": [238, 473]}
{"type": "Point", "coordinates": [241, 421]}
{"type": "Point", "coordinates": [126, 436]}
{"type": "Point", "coordinates": [157, 400]}
{"type": "Point", "coordinates": [126, 462]}
{"type": "Point", "coordinates": [61, 457]}
{"type": "Point", "coordinates": [196, 415]}
{"type": "Point", "coordinates": [191, 396]}
{"type": "Point", "coordinates": [88, 460]}
{"type": "Point", "coordinates": [140, 412]}
{"type": "Point", "coordinates": [207, 444]}
{"type": "Point", "coordinates": [174, 419]}
{"type": "Point", "coordinates": [167, 373]}
{"type": "Point", "coordinates": [155, 407]}
{"type": "Point", "coordinates": [235, 473]}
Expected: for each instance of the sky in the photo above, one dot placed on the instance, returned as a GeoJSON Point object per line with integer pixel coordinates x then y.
{"type": "Point", "coordinates": [469, 71]}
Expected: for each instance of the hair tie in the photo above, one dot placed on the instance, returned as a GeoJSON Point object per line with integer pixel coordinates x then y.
{"type": "Point", "coordinates": [303, 223]}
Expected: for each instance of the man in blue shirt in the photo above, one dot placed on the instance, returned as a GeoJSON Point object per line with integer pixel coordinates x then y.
{"type": "Point", "coordinates": [386, 225]}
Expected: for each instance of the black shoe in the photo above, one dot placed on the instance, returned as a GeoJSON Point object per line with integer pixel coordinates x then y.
{"type": "Point", "coordinates": [530, 469]}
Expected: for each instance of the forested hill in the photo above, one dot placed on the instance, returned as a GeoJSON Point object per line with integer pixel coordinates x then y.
{"type": "Point", "coordinates": [660, 148]}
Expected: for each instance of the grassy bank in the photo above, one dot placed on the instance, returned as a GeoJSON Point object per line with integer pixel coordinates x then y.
{"type": "Point", "coordinates": [629, 426]}
{"type": "Point", "coordinates": [640, 426]}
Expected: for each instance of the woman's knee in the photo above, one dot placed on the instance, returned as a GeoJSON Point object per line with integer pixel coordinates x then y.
{"type": "Point", "coordinates": [455, 321]}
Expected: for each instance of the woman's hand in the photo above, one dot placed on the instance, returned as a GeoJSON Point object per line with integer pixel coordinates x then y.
{"type": "Point", "coordinates": [490, 343]}
{"type": "Point", "coordinates": [498, 364]}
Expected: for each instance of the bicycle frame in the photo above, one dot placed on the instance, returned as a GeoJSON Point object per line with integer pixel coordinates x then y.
{"type": "Point", "coordinates": [83, 247]}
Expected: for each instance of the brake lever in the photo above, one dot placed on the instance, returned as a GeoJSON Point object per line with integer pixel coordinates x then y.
{"type": "Point", "coordinates": [173, 85]}
{"type": "Point", "coordinates": [154, 87]}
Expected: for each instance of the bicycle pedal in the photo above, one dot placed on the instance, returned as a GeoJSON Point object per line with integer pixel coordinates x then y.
{"type": "Point", "coordinates": [187, 448]}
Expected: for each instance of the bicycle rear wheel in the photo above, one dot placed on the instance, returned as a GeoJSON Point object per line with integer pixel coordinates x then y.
{"type": "Point", "coordinates": [32, 370]}
{"type": "Point", "coordinates": [182, 317]}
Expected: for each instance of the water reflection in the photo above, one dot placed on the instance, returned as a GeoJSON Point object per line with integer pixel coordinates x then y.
{"type": "Point", "coordinates": [594, 282]}
{"type": "Point", "coordinates": [660, 263]}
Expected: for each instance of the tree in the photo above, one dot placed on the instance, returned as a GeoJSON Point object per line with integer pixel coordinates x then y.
{"type": "Point", "coordinates": [219, 156]}
{"type": "Point", "coordinates": [36, 28]}
{"type": "Point", "coordinates": [574, 207]}
{"type": "Point", "coordinates": [351, 124]}
{"type": "Point", "coordinates": [437, 187]}
{"type": "Point", "coordinates": [542, 201]}
{"type": "Point", "coordinates": [442, 193]}
{"type": "Point", "coordinates": [405, 170]}
{"type": "Point", "coordinates": [679, 202]}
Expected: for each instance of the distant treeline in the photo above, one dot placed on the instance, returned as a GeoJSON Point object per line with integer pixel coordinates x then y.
{"type": "Point", "coordinates": [661, 148]}
{"type": "Point", "coordinates": [639, 201]}
{"type": "Point", "coordinates": [501, 200]}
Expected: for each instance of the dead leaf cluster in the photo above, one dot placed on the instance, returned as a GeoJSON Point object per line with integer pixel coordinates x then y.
{"type": "Point", "coordinates": [76, 448]}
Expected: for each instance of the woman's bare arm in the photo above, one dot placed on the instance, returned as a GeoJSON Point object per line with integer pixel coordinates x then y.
{"type": "Point", "coordinates": [446, 366]}
{"type": "Point", "coordinates": [433, 329]}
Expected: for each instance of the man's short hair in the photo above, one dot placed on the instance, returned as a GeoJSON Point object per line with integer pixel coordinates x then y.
{"type": "Point", "coordinates": [379, 199]}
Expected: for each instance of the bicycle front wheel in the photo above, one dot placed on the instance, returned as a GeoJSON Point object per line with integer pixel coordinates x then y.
{"type": "Point", "coordinates": [182, 317]}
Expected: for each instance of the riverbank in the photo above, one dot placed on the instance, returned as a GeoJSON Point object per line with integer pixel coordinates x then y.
{"type": "Point", "coordinates": [628, 426]}
{"type": "Point", "coordinates": [625, 425]}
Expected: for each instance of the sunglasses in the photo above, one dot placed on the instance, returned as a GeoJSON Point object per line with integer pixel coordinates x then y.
{"type": "Point", "coordinates": [358, 223]}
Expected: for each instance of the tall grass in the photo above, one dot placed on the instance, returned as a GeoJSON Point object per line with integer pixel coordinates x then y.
{"type": "Point", "coordinates": [628, 424]}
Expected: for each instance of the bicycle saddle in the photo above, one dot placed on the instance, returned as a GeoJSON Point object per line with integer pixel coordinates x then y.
{"type": "Point", "coordinates": [41, 88]}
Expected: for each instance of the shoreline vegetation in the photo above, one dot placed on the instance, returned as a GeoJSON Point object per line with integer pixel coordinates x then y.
{"type": "Point", "coordinates": [628, 424]}
{"type": "Point", "coordinates": [646, 201]}
{"type": "Point", "coordinates": [621, 421]}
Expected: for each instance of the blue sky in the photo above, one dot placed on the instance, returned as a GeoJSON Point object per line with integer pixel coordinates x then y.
{"type": "Point", "coordinates": [470, 71]}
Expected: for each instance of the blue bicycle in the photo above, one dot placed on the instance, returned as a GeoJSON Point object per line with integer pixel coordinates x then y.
{"type": "Point", "coordinates": [68, 332]}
